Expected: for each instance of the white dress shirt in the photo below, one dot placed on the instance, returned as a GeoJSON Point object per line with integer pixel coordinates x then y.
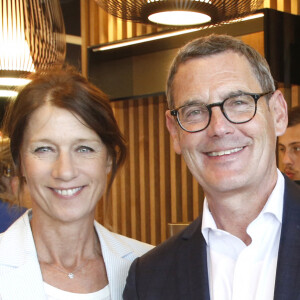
{"type": "Point", "coordinates": [240, 272]}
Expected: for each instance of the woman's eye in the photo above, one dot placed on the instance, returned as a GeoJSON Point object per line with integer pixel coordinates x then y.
{"type": "Point", "coordinates": [85, 149]}
{"type": "Point", "coordinates": [43, 149]}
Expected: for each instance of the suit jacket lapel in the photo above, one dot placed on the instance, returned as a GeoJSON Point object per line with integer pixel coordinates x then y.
{"type": "Point", "coordinates": [287, 285]}
{"type": "Point", "coordinates": [194, 262]}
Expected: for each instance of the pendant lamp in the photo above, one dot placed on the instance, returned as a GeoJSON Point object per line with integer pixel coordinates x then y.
{"type": "Point", "coordinates": [32, 37]}
{"type": "Point", "coordinates": [179, 12]}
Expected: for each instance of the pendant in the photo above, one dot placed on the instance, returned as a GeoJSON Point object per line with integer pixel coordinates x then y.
{"type": "Point", "coordinates": [71, 275]}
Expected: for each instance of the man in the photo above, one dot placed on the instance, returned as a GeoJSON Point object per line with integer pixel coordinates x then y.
{"type": "Point", "coordinates": [224, 118]}
{"type": "Point", "coordinates": [289, 146]}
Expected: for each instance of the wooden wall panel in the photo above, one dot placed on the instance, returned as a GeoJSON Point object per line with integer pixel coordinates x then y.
{"type": "Point", "coordinates": [154, 187]}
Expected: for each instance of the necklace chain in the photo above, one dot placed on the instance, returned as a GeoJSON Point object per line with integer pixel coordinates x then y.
{"type": "Point", "coordinates": [70, 274]}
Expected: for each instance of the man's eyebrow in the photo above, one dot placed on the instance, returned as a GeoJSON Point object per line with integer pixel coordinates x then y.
{"type": "Point", "coordinates": [193, 102]}
{"type": "Point", "coordinates": [294, 143]}
{"type": "Point", "coordinates": [234, 94]}
{"type": "Point", "coordinates": [196, 101]}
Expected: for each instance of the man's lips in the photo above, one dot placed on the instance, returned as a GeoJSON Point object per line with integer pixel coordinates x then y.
{"type": "Point", "coordinates": [289, 173]}
{"type": "Point", "coordinates": [224, 152]}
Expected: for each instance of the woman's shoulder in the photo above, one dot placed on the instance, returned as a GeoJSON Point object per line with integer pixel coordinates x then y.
{"type": "Point", "coordinates": [116, 240]}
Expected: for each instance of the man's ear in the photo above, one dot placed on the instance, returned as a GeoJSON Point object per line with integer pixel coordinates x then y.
{"type": "Point", "coordinates": [173, 130]}
{"type": "Point", "coordinates": [280, 114]}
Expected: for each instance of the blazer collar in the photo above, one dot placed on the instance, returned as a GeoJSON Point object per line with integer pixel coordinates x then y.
{"type": "Point", "coordinates": [20, 274]}
{"type": "Point", "coordinates": [196, 272]}
{"type": "Point", "coordinates": [118, 256]}
{"type": "Point", "coordinates": [17, 243]}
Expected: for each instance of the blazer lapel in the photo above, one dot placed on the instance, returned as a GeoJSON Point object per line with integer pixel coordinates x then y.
{"type": "Point", "coordinates": [24, 282]}
{"type": "Point", "coordinates": [20, 274]}
{"type": "Point", "coordinates": [194, 262]}
{"type": "Point", "coordinates": [117, 258]}
{"type": "Point", "coordinates": [287, 285]}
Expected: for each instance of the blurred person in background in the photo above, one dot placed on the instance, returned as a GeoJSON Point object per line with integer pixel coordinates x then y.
{"type": "Point", "coordinates": [9, 212]}
{"type": "Point", "coordinates": [289, 146]}
{"type": "Point", "coordinates": [64, 142]}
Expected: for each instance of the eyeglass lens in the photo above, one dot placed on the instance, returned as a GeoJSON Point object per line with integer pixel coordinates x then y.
{"type": "Point", "coordinates": [237, 109]}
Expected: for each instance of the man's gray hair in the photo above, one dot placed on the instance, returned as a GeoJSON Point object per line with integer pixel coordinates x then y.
{"type": "Point", "coordinates": [215, 44]}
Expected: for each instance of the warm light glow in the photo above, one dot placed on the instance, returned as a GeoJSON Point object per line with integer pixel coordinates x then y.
{"type": "Point", "coordinates": [166, 35]}
{"type": "Point", "coordinates": [145, 39]}
{"type": "Point", "coordinates": [8, 93]}
{"type": "Point", "coordinates": [10, 81]}
{"type": "Point", "coordinates": [14, 49]}
{"type": "Point", "coordinates": [179, 18]}
{"type": "Point", "coordinates": [32, 35]}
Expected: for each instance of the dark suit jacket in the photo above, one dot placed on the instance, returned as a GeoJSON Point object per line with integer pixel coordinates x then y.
{"type": "Point", "coordinates": [177, 269]}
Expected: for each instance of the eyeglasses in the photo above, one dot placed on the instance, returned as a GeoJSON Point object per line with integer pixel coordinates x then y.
{"type": "Point", "coordinates": [238, 109]}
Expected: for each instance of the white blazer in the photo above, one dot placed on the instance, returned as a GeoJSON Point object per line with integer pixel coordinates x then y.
{"type": "Point", "coordinates": [20, 273]}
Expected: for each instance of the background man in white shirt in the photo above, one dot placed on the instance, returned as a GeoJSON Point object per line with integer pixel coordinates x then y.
{"type": "Point", "coordinates": [225, 116]}
{"type": "Point", "coordinates": [289, 146]}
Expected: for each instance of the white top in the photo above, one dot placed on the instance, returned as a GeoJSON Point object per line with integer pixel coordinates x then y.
{"type": "Point", "coordinates": [20, 274]}
{"type": "Point", "coordinates": [237, 271]}
{"type": "Point", "coordinates": [53, 293]}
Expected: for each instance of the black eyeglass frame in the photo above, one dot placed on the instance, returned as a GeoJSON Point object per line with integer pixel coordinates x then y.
{"type": "Point", "coordinates": [255, 96]}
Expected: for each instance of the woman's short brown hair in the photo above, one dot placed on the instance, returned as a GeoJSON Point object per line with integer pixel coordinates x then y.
{"type": "Point", "coordinates": [65, 88]}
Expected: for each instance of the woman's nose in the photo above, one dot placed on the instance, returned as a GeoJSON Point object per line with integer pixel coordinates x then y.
{"type": "Point", "coordinates": [64, 167]}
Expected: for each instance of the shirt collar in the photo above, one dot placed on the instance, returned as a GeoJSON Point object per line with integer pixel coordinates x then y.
{"type": "Point", "coordinates": [274, 205]}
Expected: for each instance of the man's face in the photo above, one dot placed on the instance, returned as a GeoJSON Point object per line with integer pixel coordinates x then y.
{"type": "Point", "coordinates": [289, 152]}
{"type": "Point", "coordinates": [227, 157]}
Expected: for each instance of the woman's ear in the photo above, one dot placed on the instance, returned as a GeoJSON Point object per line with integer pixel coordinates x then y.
{"type": "Point", "coordinates": [109, 164]}
{"type": "Point", "coordinates": [173, 130]}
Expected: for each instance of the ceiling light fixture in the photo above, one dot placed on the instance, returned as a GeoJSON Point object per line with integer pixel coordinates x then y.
{"type": "Point", "coordinates": [179, 12]}
{"type": "Point", "coordinates": [32, 37]}
{"type": "Point", "coordinates": [162, 35]}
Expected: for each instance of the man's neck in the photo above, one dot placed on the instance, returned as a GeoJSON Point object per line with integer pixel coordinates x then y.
{"type": "Point", "coordinates": [233, 212]}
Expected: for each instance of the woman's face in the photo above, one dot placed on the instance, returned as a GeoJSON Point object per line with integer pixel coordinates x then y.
{"type": "Point", "coordinates": [65, 165]}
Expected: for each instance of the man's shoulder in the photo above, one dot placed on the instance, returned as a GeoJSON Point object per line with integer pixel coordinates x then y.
{"type": "Point", "coordinates": [175, 245]}
{"type": "Point", "coordinates": [291, 192]}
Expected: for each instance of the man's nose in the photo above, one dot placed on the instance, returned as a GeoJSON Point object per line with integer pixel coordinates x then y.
{"type": "Point", "coordinates": [287, 158]}
{"type": "Point", "coordinates": [219, 125]}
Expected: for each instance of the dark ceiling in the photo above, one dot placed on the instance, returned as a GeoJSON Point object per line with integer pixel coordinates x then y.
{"type": "Point", "coordinates": [71, 15]}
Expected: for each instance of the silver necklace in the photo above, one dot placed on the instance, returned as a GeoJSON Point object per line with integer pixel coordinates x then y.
{"type": "Point", "coordinates": [69, 274]}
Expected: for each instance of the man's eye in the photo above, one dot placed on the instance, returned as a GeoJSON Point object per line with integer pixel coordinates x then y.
{"type": "Point", "coordinates": [193, 112]}
{"type": "Point", "coordinates": [238, 102]}
{"type": "Point", "coordinates": [281, 148]}
{"type": "Point", "coordinates": [297, 149]}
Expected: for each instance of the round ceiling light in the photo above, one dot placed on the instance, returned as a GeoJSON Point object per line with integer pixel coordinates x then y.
{"type": "Point", "coordinates": [179, 18]}
{"type": "Point", "coordinates": [208, 12]}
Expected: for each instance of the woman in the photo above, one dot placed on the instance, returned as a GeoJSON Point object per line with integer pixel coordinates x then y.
{"type": "Point", "coordinates": [64, 142]}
